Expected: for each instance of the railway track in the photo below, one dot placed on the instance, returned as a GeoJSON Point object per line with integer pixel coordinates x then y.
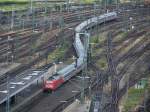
{"type": "Point", "coordinates": [55, 18]}
{"type": "Point", "coordinates": [125, 41]}
{"type": "Point", "coordinates": [69, 18]}
{"type": "Point", "coordinates": [139, 51]}
{"type": "Point", "coordinates": [23, 48]}
{"type": "Point", "coordinates": [45, 101]}
{"type": "Point", "coordinates": [25, 52]}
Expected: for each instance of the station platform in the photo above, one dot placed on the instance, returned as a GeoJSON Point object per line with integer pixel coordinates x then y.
{"type": "Point", "coordinates": [18, 83]}
{"type": "Point", "coordinates": [76, 106]}
{"type": "Point", "coordinates": [32, 78]}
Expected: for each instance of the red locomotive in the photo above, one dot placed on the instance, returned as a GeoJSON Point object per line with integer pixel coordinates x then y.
{"type": "Point", "coordinates": [53, 84]}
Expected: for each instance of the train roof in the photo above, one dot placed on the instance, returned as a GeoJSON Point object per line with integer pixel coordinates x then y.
{"type": "Point", "coordinates": [81, 26]}
{"type": "Point", "coordinates": [67, 69]}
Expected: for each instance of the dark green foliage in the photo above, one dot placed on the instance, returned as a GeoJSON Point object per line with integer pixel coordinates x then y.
{"type": "Point", "coordinates": [13, 2]}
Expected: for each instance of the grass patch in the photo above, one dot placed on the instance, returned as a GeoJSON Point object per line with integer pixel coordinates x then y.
{"type": "Point", "coordinates": [94, 39]}
{"type": "Point", "coordinates": [98, 38]}
{"type": "Point", "coordinates": [9, 5]}
{"type": "Point", "coordinates": [14, 1]}
{"type": "Point", "coordinates": [97, 51]}
{"type": "Point", "coordinates": [134, 97]}
{"type": "Point", "coordinates": [102, 63]}
{"type": "Point", "coordinates": [120, 36]}
{"type": "Point", "coordinates": [13, 7]}
{"type": "Point", "coordinates": [87, 1]}
{"type": "Point", "coordinates": [59, 53]}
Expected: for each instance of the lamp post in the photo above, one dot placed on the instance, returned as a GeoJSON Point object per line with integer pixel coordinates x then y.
{"type": "Point", "coordinates": [11, 48]}
{"type": "Point", "coordinates": [12, 17]}
{"type": "Point", "coordinates": [117, 5]}
{"type": "Point", "coordinates": [45, 17]}
{"type": "Point", "coordinates": [31, 6]}
{"type": "Point", "coordinates": [32, 13]}
{"type": "Point", "coordinates": [68, 2]}
{"type": "Point", "coordinates": [94, 9]}
{"type": "Point", "coordinates": [45, 6]}
{"type": "Point", "coordinates": [8, 97]}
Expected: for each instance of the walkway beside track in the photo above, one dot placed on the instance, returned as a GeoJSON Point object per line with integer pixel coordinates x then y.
{"type": "Point", "coordinates": [76, 106]}
{"type": "Point", "coordinates": [25, 80]}
{"type": "Point", "coordinates": [17, 84]}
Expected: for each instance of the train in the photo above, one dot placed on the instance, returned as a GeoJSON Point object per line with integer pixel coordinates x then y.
{"type": "Point", "coordinates": [71, 70]}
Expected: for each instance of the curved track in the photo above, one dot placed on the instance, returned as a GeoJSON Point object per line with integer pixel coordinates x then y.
{"type": "Point", "coordinates": [46, 101]}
